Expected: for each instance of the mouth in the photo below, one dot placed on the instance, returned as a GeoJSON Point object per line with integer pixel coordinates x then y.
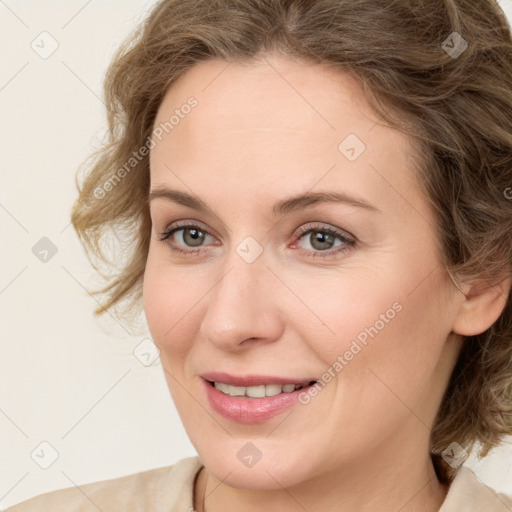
{"type": "Point", "coordinates": [256, 403]}
{"type": "Point", "coordinates": [260, 391]}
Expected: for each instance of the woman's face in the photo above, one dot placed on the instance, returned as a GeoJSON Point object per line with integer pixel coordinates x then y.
{"type": "Point", "coordinates": [262, 289]}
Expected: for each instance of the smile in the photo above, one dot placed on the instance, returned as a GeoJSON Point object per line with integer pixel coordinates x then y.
{"type": "Point", "coordinates": [258, 391]}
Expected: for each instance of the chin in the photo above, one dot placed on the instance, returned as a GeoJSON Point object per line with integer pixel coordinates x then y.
{"type": "Point", "coordinates": [272, 472]}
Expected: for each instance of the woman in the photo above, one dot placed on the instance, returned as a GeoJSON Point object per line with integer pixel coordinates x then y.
{"type": "Point", "coordinates": [318, 200]}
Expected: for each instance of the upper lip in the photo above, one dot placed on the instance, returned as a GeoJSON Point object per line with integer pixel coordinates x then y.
{"type": "Point", "coordinates": [251, 380]}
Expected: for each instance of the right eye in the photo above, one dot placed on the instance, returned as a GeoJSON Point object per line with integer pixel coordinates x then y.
{"type": "Point", "coordinates": [185, 235]}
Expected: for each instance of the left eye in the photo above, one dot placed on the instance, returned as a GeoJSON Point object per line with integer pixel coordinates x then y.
{"type": "Point", "coordinates": [320, 240]}
{"type": "Point", "coordinates": [323, 239]}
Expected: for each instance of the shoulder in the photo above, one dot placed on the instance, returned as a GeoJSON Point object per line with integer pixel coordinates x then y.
{"type": "Point", "coordinates": [468, 493]}
{"type": "Point", "coordinates": [170, 487]}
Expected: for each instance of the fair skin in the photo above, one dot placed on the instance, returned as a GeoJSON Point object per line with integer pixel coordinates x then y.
{"type": "Point", "coordinates": [261, 132]}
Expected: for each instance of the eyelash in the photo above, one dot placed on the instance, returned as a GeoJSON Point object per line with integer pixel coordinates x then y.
{"type": "Point", "coordinates": [348, 243]}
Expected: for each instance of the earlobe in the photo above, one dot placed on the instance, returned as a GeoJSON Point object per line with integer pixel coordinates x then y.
{"type": "Point", "coordinates": [481, 306]}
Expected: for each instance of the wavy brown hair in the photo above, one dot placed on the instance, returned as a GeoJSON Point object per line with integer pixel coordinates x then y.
{"type": "Point", "coordinates": [457, 109]}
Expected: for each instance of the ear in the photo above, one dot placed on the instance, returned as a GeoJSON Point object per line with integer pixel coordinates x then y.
{"type": "Point", "coordinates": [481, 307]}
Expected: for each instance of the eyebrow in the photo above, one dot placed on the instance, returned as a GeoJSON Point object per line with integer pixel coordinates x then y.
{"type": "Point", "coordinates": [282, 207]}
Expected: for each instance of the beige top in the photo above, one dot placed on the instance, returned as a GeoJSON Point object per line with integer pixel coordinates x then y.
{"type": "Point", "coordinates": [170, 489]}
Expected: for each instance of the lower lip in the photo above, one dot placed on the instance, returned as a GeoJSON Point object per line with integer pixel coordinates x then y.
{"type": "Point", "coordinates": [250, 410]}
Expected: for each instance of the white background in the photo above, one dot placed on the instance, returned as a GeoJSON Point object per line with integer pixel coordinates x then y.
{"type": "Point", "coordinates": [68, 379]}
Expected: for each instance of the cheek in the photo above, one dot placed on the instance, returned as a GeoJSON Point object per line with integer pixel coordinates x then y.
{"type": "Point", "coordinates": [381, 342]}
{"type": "Point", "coordinates": [389, 315]}
{"type": "Point", "coordinates": [169, 297]}
{"type": "Point", "coordinates": [354, 307]}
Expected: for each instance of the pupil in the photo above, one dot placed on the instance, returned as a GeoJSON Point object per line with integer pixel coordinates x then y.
{"type": "Point", "coordinates": [322, 238]}
{"type": "Point", "coordinates": [195, 235]}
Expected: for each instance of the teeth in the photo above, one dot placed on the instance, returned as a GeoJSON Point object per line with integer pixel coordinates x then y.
{"type": "Point", "coordinates": [255, 391]}
{"type": "Point", "coordinates": [274, 389]}
{"type": "Point", "coordinates": [235, 390]}
{"type": "Point", "coordinates": [258, 391]}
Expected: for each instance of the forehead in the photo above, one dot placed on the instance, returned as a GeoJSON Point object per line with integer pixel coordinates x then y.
{"type": "Point", "coordinates": [267, 95]}
{"type": "Point", "coordinates": [277, 121]}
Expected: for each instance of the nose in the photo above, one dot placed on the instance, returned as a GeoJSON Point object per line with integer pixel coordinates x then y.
{"type": "Point", "coordinates": [243, 306]}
